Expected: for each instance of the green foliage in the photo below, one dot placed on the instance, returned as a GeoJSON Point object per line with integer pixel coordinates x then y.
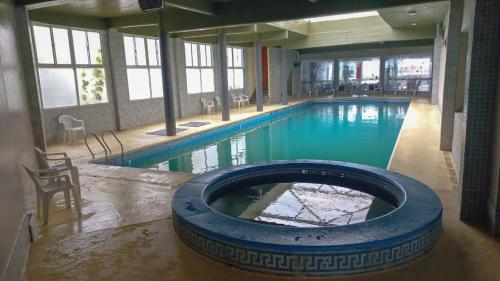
{"type": "Point", "coordinates": [95, 84]}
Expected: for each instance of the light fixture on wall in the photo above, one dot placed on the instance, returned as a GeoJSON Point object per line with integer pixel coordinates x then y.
{"type": "Point", "coordinates": [151, 5]}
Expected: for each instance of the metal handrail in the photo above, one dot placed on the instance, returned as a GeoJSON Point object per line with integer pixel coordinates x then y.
{"type": "Point", "coordinates": [117, 139]}
{"type": "Point", "coordinates": [99, 141]}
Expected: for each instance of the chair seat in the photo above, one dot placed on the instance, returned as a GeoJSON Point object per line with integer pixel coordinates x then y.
{"type": "Point", "coordinates": [54, 187]}
{"type": "Point", "coordinates": [77, 129]}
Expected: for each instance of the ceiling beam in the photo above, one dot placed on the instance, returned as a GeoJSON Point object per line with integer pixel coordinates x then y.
{"type": "Point", "coordinates": [257, 11]}
{"type": "Point", "coordinates": [213, 32]}
{"type": "Point", "coordinates": [39, 4]}
{"type": "Point", "coordinates": [203, 7]}
{"type": "Point", "coordinates": [144, 19]}
{"type": "Point", "coordinates": [298, 27]}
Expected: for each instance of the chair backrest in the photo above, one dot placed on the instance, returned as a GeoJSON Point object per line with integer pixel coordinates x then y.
{"type": "Point", "coordinates": [33, 178]}
{"type": "Point", "coordinates": [205, 101]}
{"type": "Point", "coordinates": [217, 99]}
{"type": "Point", "coordinates": [67, 121]}
{"type": "Point", "coordinates": [42, 157]}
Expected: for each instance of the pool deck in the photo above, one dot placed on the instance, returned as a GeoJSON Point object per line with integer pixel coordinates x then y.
{"type": "Point", "coordinates": [126, 231]}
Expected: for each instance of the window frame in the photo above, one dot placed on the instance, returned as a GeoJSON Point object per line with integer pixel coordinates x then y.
{"type": "Point", "coordinates": [233, 68]}
{"type": "Point", "coordinates": [72, 65]}
{"type": "Point", "coordinates": [199, 66]}
{"type": "Point", "coordinates": [147, 66]}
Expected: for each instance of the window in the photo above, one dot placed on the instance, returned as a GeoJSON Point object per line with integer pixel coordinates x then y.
{"type": "Point", "coordinates": [199, 68]}
{"type": "Point", "coordinates": [235, 68]}
{"type": "Point", "coordinates": [70, 66]}
{"type": "Point", "coordinates": [142, 56]}
{"type": "Point", "coordinates": [359, 71]}
{"type": "Point", "coordinates": [409, 72]}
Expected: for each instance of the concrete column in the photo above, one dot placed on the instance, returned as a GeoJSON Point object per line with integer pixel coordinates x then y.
{"type": "Point", "coordinates": [259, 92]}
{"type": "Point", "coordinates": [166, 76]}
{"type": "Point", "coordinates": [224, 92]}
{"type": "Point", "coordinates": [480, 194]}
{"type": "Point", "coordinates": [284, 78]}
{"type": "Point", "coordinates": [450, 73]}
{"type": "Point", "coordinates": [30, 77]}
{"type": "Point", "coordinates": [336, 75]}
{"type": "Point", "coordinates": [436, 58]}
{"type": "Point", "coordinates": [381, 73]}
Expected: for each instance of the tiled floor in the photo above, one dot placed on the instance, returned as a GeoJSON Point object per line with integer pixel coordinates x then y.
{"type": "Point", "coordinates": [126, 231]}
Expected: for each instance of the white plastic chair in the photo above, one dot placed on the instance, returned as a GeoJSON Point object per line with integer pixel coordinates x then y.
{"type": "Point", "coordinates": [219, 102]}
{"type": "Point", "coordinates": [47, 186]}
{"type": "Point", "coordinates": [208, 105]}
{"type": "Point", "coordinates": [237, 100]}
{"type": "Point", "coordinates": [60, 163]}
{"type": "Point", "coordinates": [245, 99]}
{"type": "Point", "coordinates": [71, 127]}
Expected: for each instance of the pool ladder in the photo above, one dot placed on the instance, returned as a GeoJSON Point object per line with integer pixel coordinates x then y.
{"type": "Point", "coordinates": [104, 144]}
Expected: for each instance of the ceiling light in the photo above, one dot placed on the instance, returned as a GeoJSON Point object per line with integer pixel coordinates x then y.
{"type": "Point", "coordinates": [412, 13]}
{"type": "Point", "coordinates": [413, 23]}
{"type": "Point", "coordinates": [344, 16]}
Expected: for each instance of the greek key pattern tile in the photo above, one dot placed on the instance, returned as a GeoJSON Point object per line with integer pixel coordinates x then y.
{"type": "Point", "coordinates": [315, 264]}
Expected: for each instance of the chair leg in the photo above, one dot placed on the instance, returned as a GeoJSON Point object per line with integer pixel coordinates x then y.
{"type": "Point", "coordinates": [38, 205]}
{"type": "Point", "coordinates": [78, 207]}
{"type": "Point", "coordinates": [75, 177]}
{"type": "Point", "coordinates": [67, 199]}
{"type": "Point", "coordinates": [45, 207]}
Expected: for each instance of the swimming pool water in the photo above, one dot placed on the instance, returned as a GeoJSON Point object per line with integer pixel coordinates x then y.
{"type": "Point", "coordinates": [300, 204]}
{"type": "Point", "coordinates": [359, 132]}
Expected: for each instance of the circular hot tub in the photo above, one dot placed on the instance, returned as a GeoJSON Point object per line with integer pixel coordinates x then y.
{"type": "Point", "coordinates": [308, 218]}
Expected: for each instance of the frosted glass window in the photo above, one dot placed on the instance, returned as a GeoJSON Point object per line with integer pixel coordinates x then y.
{"type": "Point", "coordinates": [138, 84]}
{"type": "Point", "coordinates": [140, 51]}
{"type": "Point", "coordinates": [203, 56]}
{"type": "Point", "coordinates": [238, 78]}
{"type": "Point", "coordinates": [152, 52]}
{"type": "Point", "coordinates": [230, 79]}
{"type": "Point", "coordinates": [208, 50]}
{"type": "Point", "coordinates": [159, 52]}
{"type": "Point", "coordinates": [235, 68]}
{"type": "Point", "coordinates": [61, 43]}
{"type": "Point", "coordinates": [58, 87]}
{"type": "Point", "coordinates": [229, 52]}
{"type": "Point", "coordinates": [129, 50]}
{"type": "Point", "coordinates": [371, 69]}
{"type": "Point", "coordinates": [207, 80]}
{"type": "Point", "coordinates": [189, 57]}
{"type": "Point", "coordinates": [156, 83]}
{"type": "Point", "coordinates": [194, 53]}
{"type": "Point", "coordinates": [95, 47]}
{"type": "Point", "coordinates": [43, 44]}
{"type": "Point", "coordinates": [92, 85]}
{"type": "Point", "coordinates": [237, 61]}
{"type": "Point", "coordinates": [193, 80]}
{"type": "Point", "coordinates": [199, 70]}
{"type": "Point", "coordinates": [80, 47]}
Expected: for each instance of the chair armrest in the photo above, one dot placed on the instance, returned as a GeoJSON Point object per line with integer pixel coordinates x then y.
{"type": "Point", "coordinates": [67, 161]}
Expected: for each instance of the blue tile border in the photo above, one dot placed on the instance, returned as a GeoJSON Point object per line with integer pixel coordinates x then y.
{"type": "Point", "coordinates": [408, 232]}
{"type": "Point", "coordinates": [181, 144]}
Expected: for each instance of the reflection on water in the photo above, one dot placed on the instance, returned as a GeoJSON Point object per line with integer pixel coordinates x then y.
{"type": "Point", "coordinates": [301, 204]}
{"type": "Point", "coordinates": [354, 132]}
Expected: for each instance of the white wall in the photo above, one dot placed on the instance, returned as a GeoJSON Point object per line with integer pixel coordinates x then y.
{"type": "Point", "coordinates": [16, 149]}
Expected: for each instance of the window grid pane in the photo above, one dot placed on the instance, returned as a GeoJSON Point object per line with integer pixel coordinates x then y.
{"type": "Point", "coordinates": [229, 52]}
{"type": "Point", "coordinates": [129, 50]}
{"type": "Point", "coordinates": [138, 83]}
{"type": "Point", "coordinates": [92, 85]}
{"type": "Point", "coordinates": [140, 51]}
{"type": "Point", "coordinates": [194, 50]}
{"type": "Point", "coordinates": [203, 54]}
{"type": "Point", "coordinates": [61, 44]}
{"type": "Point", "coordinates": [80, 47]}
{"type": "Point", "coordinates": [43, 44]}
{"type": "Point", "coordinates": [58, 87]}
{"type": "Point", "coordinates": [95, 50]}
{"type": "Point", "coordinates": [153, 60]}
{"type": "Point", "coordinates": [189, 56]}
{"type": "Point", "coordinates": [209, 55]}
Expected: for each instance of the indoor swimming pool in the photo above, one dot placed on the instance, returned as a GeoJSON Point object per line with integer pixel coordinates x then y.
{"type": "Point", "coordinates": [362, 132]}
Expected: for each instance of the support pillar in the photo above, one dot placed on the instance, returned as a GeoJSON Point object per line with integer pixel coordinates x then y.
{"type": "Point", "coordinates": [336, 73]}
{"type": "Point", "coordinates": [30, 77]}
{"type": "Point", "coordinates": [223, 85]}
{"type": "Point", "coordinates": [166, 76]}
{"type": "Point", "coordinates": [284, 78]}
{"type": "Point", "coordinates": [381, 74]}
{"type": "Point", "coordinates": [436, 62]}
{"type": "Point", "coordinates": [450, 73]}
{"type": "Point", "coordinates": [479, 179]}
{"type": "Point", "coordinates": [259, 92]}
